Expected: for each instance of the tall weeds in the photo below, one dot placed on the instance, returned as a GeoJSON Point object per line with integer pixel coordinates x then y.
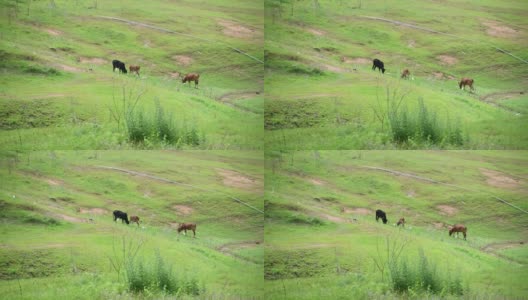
{"type": "Point", "coordinates": [418, 126]}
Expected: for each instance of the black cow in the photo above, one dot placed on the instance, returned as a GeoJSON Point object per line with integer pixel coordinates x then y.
{"type": "Point", "coordinates": [378, 64]}
{"type": "Point", "coordinates": [119, 65]}
{"type": "Point", "coordinates": [380, 214]}
{"type": "Point", "coordinates": [120, 215]}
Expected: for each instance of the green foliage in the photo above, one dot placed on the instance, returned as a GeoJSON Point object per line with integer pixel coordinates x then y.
{"type": "Point", "coordinates": [158, 276]}
{"type": "Point", "coordinates": [421, 276]}
{"type": "Point", "coordinates": [422, 126]}
{"type": "Point", "coordinates": [159, 127]}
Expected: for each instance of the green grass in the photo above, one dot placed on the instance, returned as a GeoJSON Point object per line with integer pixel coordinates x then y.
{"type": "Point", "coordinates": [315, 100]}
{"type": "Point", "coordinates": [51, 249]}
{"type": "Point", "coordinates": [336, 257]}
{"type": "Point", "coordinates": [57, 61]}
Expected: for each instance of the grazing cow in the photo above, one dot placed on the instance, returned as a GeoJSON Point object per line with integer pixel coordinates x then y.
{"type": "Point", "coordinates": [458, 228]}
{"type": "Point", "coordinates": [120, 215]}
{"type": "Point", "coordinates": [405, 74]}
{"type": "Point", "coordinates": [401, 222]}
{"type": "Point", "coordinates": [466, 81]}
{"type": "Point", "coordinates": [378, 64]}
{"type": "Point", "coordinates": [119, 65]}
{"type": "Point", "coordinates": [134, 69]}
{"type": "Point", "coordinates": [191, 77]}
{"type": "Point", "coordinates": [134, 219]}
{"type": "Point", "coordinates": [187, 226]}
{"type": "Point", "coordinates": [380, 214]}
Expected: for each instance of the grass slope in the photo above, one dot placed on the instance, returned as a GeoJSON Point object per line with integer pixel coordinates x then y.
{"type": "Point", "coordinates": [58, 89]}
{"type": "Point", "coordinates": [322, 94]}
{"type": "Point", "coordinates": [322, 237]}
{"type": "Point", "coordinates": [51, 249]}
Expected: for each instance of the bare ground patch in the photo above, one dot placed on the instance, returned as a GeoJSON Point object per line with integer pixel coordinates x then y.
{"type": "Point", "coordinates": [175, 75]}
{"type": "Point", "coordinates": [447, 59]}
{"type": "Point", "coordinates": [53, 32]}
{"type": "Point", "coordinates": [316, 181]}
{"type": "Point", "coordinates": [499, 30]}
{"type": "Point", "coordinates": [93, 211]}
{"type": "Point", "coordinates": [69, 68]}
{"type": "Point", "coordinates": [357, 211]}
{"type": "Point", "coordinates": [502, 95]}
{"type": "Point", "coordinates": [503, 245]}
{"type": "Point", "coordinates": [234, 29]}
{"type": "Point", "coordinates": [92, 60]}
{"type": "Point", "coordinates": [356, 60]}
{"type": "Point", "coordinates": [410, 193]}
{"type": "Point", "coordinates": [442, 76]}
{"type": "Point", "coordinates": [183, 60]}
{"type": "Point", "coordinates": [183, 210]}
{"type": "Point", "coordinates": [317, 32]}
{"type": "Point", "coordinates": [411, 43]}
{"type": "Point", "coordinates": [238, 96]}
{"type": "Point", "coordinates": [447, 210]}
{"type": "Point", "coordinates": [69, 218]}
{"type": "Point", "coordinates": [54, 182]}
{"type": "Point", "coordinates": [498, 179]}
{"type": "Point", "coordinates": [439, 225]}
{"type": "Point", "coordinates": [238, 180]}
{"type": "Point", "coordinates": [332, 68]}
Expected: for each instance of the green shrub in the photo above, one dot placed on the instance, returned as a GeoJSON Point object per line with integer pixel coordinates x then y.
{"type": "Point", "coordinates": [157, 276]}
{"type": "Point", "coordinates": [422, 126]}
{"type": "Point", "coordinates": [421, 277]}
{"type": "Point", "coordinates": [159, 127]}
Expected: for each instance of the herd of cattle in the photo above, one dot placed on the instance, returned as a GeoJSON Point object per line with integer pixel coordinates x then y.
{"type": "Point", "coordinates": [181, 226]}
{"type": "Point", "coordinates": [376, 63]}
{"type": "Point", "coordinates": [116, 64]}
{"type": "Point", "coordinates": [454, 229]}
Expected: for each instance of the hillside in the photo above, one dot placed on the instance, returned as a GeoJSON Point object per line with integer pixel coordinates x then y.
{"type": "Point", "coordinates": [59, 240]}
{"type": "Point", "coordinates": [323, 241]}
{"type": "Point", "coordinates": [322, 93]}
{"type": "Point", "coordinates": [58, 90]}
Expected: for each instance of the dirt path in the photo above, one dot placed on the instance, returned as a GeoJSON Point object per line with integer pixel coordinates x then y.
{"type": "Point", "coordinates": [177, 183]}
{"type": "Point", "coordinates": [229, 249]}
{"type": "Point", "coordinates": [229, 97]}
{"type": "Point", "coordinates": [178, 33]}
{"type": "Point", "coordinates": [496, 98]}
{"type": "Point", "coordinates": [494, 247]}
{"type": "Point", "coordinates": [398, 173]}
{"type": "Point", "coordinates": [438, 32]}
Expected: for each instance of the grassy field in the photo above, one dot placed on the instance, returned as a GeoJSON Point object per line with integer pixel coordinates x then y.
{"type": "Point", "coordinates": [58, 90]}
{"type": "Point", "coordinates": [322, 94]}
{"type": "Point", "coordinates": [59, 241]}
{"type": "Point", "coordinates": [323, 242]}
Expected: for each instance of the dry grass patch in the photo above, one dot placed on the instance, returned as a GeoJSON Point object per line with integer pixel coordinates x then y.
{"type": "Point", "coordinates": [233, 29]}
{"type": "Point", "coordinates": [498, 179]}
{"type": "Point", "coordinates": [499, 30]}
{"type": "Point", "coordinates": [447, 210]}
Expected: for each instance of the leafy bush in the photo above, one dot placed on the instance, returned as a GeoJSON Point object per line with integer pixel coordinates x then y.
{"type": "Point", "coordinates": [157, 276]}
{"type": "Point", "coordinates": [422, 277]}
{"type": "Point", "coordinates": [422, 126]}
{"type": "Point", "coordinates": [159, 127]}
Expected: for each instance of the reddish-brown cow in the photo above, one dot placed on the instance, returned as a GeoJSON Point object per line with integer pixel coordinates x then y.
{"type": "Point", "coordinates": [187, 226]}
{"type": "Point", "coordinates": [134, 69]}
{"type": "Point", "coordinates": [405, 74]}
{"type": "Point", "coordinates": [401, 222]}
{"type": "Point", "coordinates": [458, 228]}
{"type": "Point", "coordinates": [466, 81]}
{"type": "Point", "coordinates": [134, 219]}
{"type": "Point", "coordinates": [191, 77]}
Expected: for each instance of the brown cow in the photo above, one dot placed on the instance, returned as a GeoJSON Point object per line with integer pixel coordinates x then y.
{"type": "Point", "coordinates": [134, 69]}
{"type": "Point", "coordinates": [458, 228]}
{"type": "Point", "coordinates": [401, 222]}
{"type": "Point", "coordinates": [187, 226]}
{"type": "Point", "coordinates": [191, 77]}
{"type": "Point", "coordinates": [405, 74]}
{"type": "Point", "coordinates": [134, 219]}
{"type": "Point", "coordinates": [466, 81]}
